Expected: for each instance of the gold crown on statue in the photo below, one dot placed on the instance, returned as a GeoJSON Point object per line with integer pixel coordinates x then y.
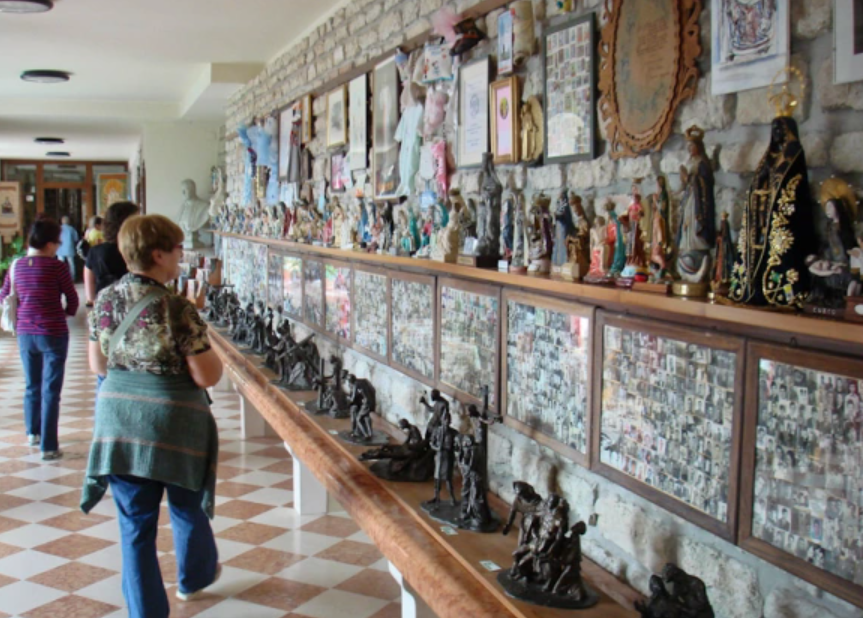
{"type": "Point", "coordinates": [785, 101]}
{"type": "Point", "coordinates": [695, 133]}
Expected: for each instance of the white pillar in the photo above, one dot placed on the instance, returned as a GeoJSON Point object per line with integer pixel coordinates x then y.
{"type": "Point", "coordinates": [254, 425]}
{"type": "Point", "coordinates": [310, 496]}
{"type": "Point", "coordinates": [413, 605]}
{"type": "Point", "coordinates": [224, 385]}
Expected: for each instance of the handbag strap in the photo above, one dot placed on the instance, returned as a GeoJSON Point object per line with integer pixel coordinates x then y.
{"type": "Point", "coordinates": [12, 277]}
{"type": "Point", "coordinates": [134, 313]}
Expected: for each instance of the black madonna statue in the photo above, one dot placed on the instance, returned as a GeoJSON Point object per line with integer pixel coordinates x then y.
{"type": "Point", "coordinates": [675, 594]}
{"type": "Point", "coordinates": [411, 461]}
{"type": "Point", "coordinates": [776, 235]}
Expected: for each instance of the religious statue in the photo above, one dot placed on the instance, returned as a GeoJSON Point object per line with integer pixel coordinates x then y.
{"type": "Point", "coordinates": [633, 225]}
{"type": "Point", "coordinates": [616, 241]}
{"type": "Point", "coordinates": [466, 220]}
{"type": "Point", "coordinates": [219, 198]}
{"type": "Point", "coordinates": [405, 243]}
{"type": "Point", "coordinates": [298, 365]}
{"type": "Point", "coordinates": [660, 247]}
{"type": "Point", "coordinates": [332, 398]}
{"type": "Point", "coordinates": [564, 228]}
{"type": "Point", "coordinates": [276, 343]}
{"type": "Point", "coordinates": [577, 243]}
{"type": "Point", "coordinates": [488, 215]}
{"type": "Point", "coordinates": [250, 158]}
{"type": "Point", "coordinates": [439, 408]}
{"type": "Point", "coordinates": [411, 461]}
{"type": "Point", "coordinates": [675, 594]}
{"type": "Point", "coordinates": [194, 217]}
{"type": "Point", "coordinates": [362, 402]}
{"type": "Point", "coordinates": [446, 248]}
{"type": "Point", "coordinates": [725, 254]}
{"type": "Point", "coordinates": [600, 249]}
{"type": "Point", "coordinates": [531, 129]}
{"type": "Point", "coordinates": [546, 568]}
{"type": "Point", "coordinates": [507, 227]}
{"type": "Point", "coordinates": [538, 236]}
{"type": "Point", "coordinates": [472, 458]}
{"type": "Point", "coordinates": [442, 442]}
{"type": "Point", "coordinates": [518, 264]}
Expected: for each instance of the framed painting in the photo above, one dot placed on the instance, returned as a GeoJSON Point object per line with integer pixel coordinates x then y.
{"type": "Point", "coordinates": [847, 41]}
{"type": "Point", "coordinates": [337, 300]}
{"type": "Point", "coordinates": [337, 171]}
{"type": "Point", "coordinates": [337, 119]}
{"type": "Point", "coordinates": [11, 219]}
{"type": "Point", "coordinates": [647, 67]}
{"type": "Point", "coordinates": [385, 119]}
{"type": "Point", "coordinates": [275, 279]}
{"type": "Point", "coordinates": [308, 120]}
{"type": "Point", "coordinates": [111, 188]}
{"type": "Point", "coordinates": [313, 293]}
{"type": "Point", "coordinates": [545, 378]}
{"type": "Point", "coordinates": [802, 486]}
{"type": "Point", "coordinates": [473, 112]}
{"type": "Point", "coordinates": [286, 127]}
{"type": "Point", "coordinates": [292, 286]}
{"type": "Point", "coordinates": [413, 326]}
{"type": "Point", "coordinates": [505, 109]}
{"type": "Point", "coordinates": [569, 70]}
{"type": "Point", "coordinates": [667, 413]}
{"type": "Point", "coordinates": [469, 331]}
{"type": "Point", "coordinates": [505, 42]}
{"type": "Point", "coordinates": [371, 312]}
{"type": "Point", "coordinates": [358, 123]}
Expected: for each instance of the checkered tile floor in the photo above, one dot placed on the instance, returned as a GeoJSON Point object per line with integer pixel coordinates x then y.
{"type": "Point", "coordinates": [56, 562]}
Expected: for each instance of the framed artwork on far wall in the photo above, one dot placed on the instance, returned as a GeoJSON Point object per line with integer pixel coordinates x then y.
{"type": "Point", "coordinates": [569, 68]}
{"type": "Point", "coordinates": [385, 119]}
{"type": "Point", "coordinates": [358, 124]}
{"type": "Point", "coordinates": [11, 213]}
{"type": "Point", "coordinates": [505, 42]}
{"type": "Point", "coordinates": [802, 471]}
{"type": "Point", "coordinates": [313, 294]}
{"type": "Point", "coordinates": [337, 300]}
{"type": "Point", "coordinates": [337, 171]}
{"type": "Point", "coordinates": [308, 118]}
{"type": "Point", "coordinates": [667, 417]}
{"type": "Point", "coordinates": [292, 286]}
{"type": "Point", "coordinates": [111, 188]}
{"type": "Point", "coordinates": [337, 117]}
{"type": "Point", "coordinates": [504, 100]}
{"type": "Point", "coordinates": [473, 112]}
{"type": "Point", "coordinates": [371, 312]}
{"type": "Point", "coordinates": [847, 41]}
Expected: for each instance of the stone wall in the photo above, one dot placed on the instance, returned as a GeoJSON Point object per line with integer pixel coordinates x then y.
{"type": "Point", "coordinates": [633, 537]}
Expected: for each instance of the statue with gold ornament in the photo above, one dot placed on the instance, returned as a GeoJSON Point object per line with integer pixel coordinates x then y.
{"type": "Point", "coordinates": [578, 243]}
{"type": "Point", "coordinates": [539, 239]}
{"type": "Point", "coordinates": [776, 234]}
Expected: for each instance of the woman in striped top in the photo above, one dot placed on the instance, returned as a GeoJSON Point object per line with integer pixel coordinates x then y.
{"type": "Point", "coordinates": [40, 280]}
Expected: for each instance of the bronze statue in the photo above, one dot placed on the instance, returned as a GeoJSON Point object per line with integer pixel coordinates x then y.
{"type": "Point", "coordinates": [331, 398]}
{"type": "Point", "coordinates": [298, 365]}
{"type": "Point", "coordinates": [488, 214]}
{"type": "Point", "coordinates": [578, 243]}
{"type": "Point", "coordinates": [675, 594]}
{"type": "Point", "coordinates": [362, 401]}
{"type": "Point", "coordinates": [439, 408]}
{"type": "Point", "coordinates": [412, 461]}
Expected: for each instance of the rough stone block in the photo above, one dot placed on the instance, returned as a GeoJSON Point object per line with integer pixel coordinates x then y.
{"type": "Point", "coordinates": [604, 558]}
{"type": "Point", "coordinates": [837, 96]}
{"type": "Point", "coordinates": [754, 106]}
{"type": "Point", "coordinates": [547, 177]}
{"type": "Point", "coordinates": [707, 111]}
{"type": "Point", "coordinates": [816, 147]}
{"type": "Point", "coordinates": [811, 18]}
{"type": "Point", "coordinates": [356, 23]}
{"type": "Point", "coordinates": [531, 467]}
{"type": "Point", "coordinates": [429, 6]}
{"type": "Point", "coordinates": [638, 167]}
{"type": "Point", "coordinates": [846, 152]}
{"type": "Point", "coordinates": [741, 158]}
{"type": "Point", "coordinates": [790, 603]}
{"type": "Point", "coordinates": [580, 493]}
{"type": "Point", "coordinates": [647, 539]}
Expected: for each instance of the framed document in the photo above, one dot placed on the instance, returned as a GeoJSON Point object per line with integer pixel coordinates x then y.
{"type": "Point", "coordinates": [313, 293]}
{"type": "Point", "coordinates": [413, 326]}
{"type": "Point", "coordinates": [337, 299]}
{"type": "Point", "coordinates": [292, 286]}
{"type": "Point", "coordinates": [358, 124]}
{"type": "Point", "coordinates": [337, 117]}
{"type": "Point", "coordinates": [473, 112]}
{"type": "Point", "coordinates": [371, 312]}
{"type": "Point", "coordinates": [385, 118]}
{"type": "Point", "coordinates": [505, 109]}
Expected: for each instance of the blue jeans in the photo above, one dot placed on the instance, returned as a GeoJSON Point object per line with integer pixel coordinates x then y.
{"type": "Point", "coordinates": [70, 260]}
{"type": "Point", "coordinates": [137, 502]}
{"type": "Point", "coordinates": [44, 360]}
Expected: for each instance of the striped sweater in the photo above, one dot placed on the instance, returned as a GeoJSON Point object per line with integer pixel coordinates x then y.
{"type": "Point", "coordinates": [40, 282]}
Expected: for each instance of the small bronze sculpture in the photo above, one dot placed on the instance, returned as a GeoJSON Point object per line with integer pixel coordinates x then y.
{"type": "Point", "coordinates": [276, 344]}
{"type": "Point", "coordinates": [332, 398]}
{"type": "Point", "coordinates": [675, 594]}
{"type": "Point", "coordinates": [546, 568]}
{"type": "Point", "coordinates": [298, 365]}
{"type": "Point", "coordinates": [443, 444]}
{"type": "Point", "coordinates": [362, 401]}
{"type": "Point", "coordinates": [412, 461]}
{"type": "Point", "coordinates": [439, 408]}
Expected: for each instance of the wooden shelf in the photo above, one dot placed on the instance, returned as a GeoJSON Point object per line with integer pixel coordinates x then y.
{"type": "Point", "coordinates": [745, 320]}
{"type": "Point", "coordinates": [444, 570]}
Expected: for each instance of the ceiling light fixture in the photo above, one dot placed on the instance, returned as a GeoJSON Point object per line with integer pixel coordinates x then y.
{"type": "Point", "coordinates": [45, 76]}
{"type": "Point", "coordinates": [57, 154]}
{"type": "Point", "coordinates": [26, 6]}
{"type": "Point", "coordinates": [50, 140]}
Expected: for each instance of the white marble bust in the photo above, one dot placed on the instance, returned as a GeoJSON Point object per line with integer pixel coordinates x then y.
{"type": "Point", "coordinates": [194, 213]}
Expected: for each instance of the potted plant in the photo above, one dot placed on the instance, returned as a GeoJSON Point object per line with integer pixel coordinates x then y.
{"type": "Point", "coordinates": [16, 250]}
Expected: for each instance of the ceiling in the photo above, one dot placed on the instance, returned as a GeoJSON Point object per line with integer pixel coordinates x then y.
{"type": "Point", "coordinates": [135, 62]}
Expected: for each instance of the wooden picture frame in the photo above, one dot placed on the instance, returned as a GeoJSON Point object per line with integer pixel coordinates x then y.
{"type": "Point", "coordinates": [338, 305]}
{"type": "Point", "coordinates": [530, 388]}
{"type": "Point", "coordinates": [11, 210]}
{"type": "Point", "coordinates": [337, 117]}
{"type": "Point", "coordinates": [307, 112]}
{"type": "Point", "coordinates": [368, 324]}
{"type": "Point", "coordinates": [466, 309]}
{"type": "Point", "coordinates": [806, 498]}
{"type": "Point", "coordinates": [413, 327]}
{"type": "Point", "coordinates": [358, 122]}
{"type": "Point", "coordinates": [313, 294]}
{"type": "Point", "coordinates": [386, 175]}
{"type": "Point", "coordinates": [671, 375]}
{"type": "Point", "coordinates": [505, 42]}
{"type": "Point", "coordinates": [473, 90]}
{"type": "Point", "coordinates": [569, 91]}
{"type": "Point", "coordinates": [504, 108]}
{"type": "Point", "coordinates": [292, 286]}
{"type": "Point", "coordinates": [111, 188]}
{"type": "Point", "coordinates": [670, 61]}
{"type": "Point", "coordinates": [847, 49]}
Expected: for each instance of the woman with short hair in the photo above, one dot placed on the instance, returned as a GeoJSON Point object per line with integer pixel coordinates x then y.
{"type": "Point", "coordinates": [154, 431]}
{"type": "Point", "coordinates": [41, 281]}
{"type": "Point", "coordinates": [105, 265]}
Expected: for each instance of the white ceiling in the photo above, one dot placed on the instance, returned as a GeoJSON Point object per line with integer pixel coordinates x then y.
{"type": "Point", "coordinates": [134, 62]}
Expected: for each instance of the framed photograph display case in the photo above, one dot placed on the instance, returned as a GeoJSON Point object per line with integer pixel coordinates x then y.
{"type": "Point", "coordinates": [802, 487]}
{"type": "Point", "coordinates": [472, 133]}
{"type": "Point", "coordinates": [667, 416]}
{"type": "Point", "coordinates": [313, 294]}
{"type": "Point", "coordinates": [545, 376]}
{"type": "Point", "coordinates": [371, 313]}
{"type": "Point", "coordinates": [275, 279]}
{"type": "Point", "coordinates": [505, 100]}
{"type": "Point", "coordinates": [292, 286]}
{"type": "Point", "coordinates": [337, 300]}
{"type": "Point", "coordinates": [385, 122]}
{"type": "Point", "coordinates": [569, 71]}
{"type": "Point", "coordinates": [413, 326]}
{"type": "Point", "coordinates": [337, 119]}
{"type": "Point", "coordinates": [468, 336]}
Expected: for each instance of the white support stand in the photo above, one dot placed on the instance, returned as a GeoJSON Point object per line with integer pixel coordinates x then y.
{"type": "Point", "coordinates": [224, 385]}
{"type": "Point", "coordinates": [413, 605]}
{"type": "Point", "coordinates": [254, 425]}
{"type": "Point", "coordinates": [310, 496]}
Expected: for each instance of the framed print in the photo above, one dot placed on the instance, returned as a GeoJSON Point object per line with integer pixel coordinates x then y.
{"type": "Point", "coordinates": [413, 326]}
{"type": "Point", "coordinates": [504, 42]}
{"type": "Point", "coordinates": [308, 120]}
{"type": "Point", "coordinates": [385, 120]}
{"type": "Point", "coordinates": [111, 188]}
{"type": "Point", "coordinates": [847, 41]}
{"type": "Point", "coordinates": [569, 68]}
{"type": "Point", "coordinates": [337, 165]}
{"type": "Point", "coordinates": [337, 119]}
{"type": "Point", "coordinates": [473, 112]}
{"type": "Point", "coordinates": [750, 43]}
{"type": "Point", "coordinates": [292, 286]}
{"type": "Point", "coordinates": [667, 417]}
{"type": "Point", "coordinates": [545, 378]}
{"type": "Point", "coordinates": [802, 487]}
{"type": "Point", "coordinates": [313, 293]}
{"type": "Point", "coordinates": [275, 279]}
{"type": "Point", "coordinates": [371, 313]}
{"type": "Point", "coordinates": [337, 299]}
{"type": "Point", "coordinates": [505, 109]}
{"type": "Point", "coordinates": [469, 328]}
{"type": "Point", "coordinates": [11, 220]}
{"type": "Point", "coordinates": [358, 123]}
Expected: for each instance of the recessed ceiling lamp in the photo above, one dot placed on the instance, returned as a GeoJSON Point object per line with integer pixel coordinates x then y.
{"type": "Point", "coordinates": [44, 76]}
{"type": "Point", "coordinates": [57, 154]}
{"type": "Point", "coordinates": [50, 140]}
{"type": "Point", "coordinates": [26, 6]}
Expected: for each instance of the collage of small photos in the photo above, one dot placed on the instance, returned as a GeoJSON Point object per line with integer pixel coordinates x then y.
{"type": "Point", "coordinates": [547, 368]}
{"type": "Point", "coordinates": [667, 414]}
{"type": "Point", "coordinates": [413, 326]}
{"type": "Point", "coordinates": [313, 293]}
{"type": "Point", "coordinates": [371, 312]}
{"type": "Point", "coordinates": [275, 283]}
{"type": "Point", "coordinates": [468, 340]}
{"type": "Point", "coordinates": [246, 267]}
{"type": "Point", "coordinates": [338, 301]}
{"type": "Point", "coordinates": [809, 453]}
{"type": "Point", "coordinates": [569, 85]}
{"type": "Point", "coordinates": [292, 285]}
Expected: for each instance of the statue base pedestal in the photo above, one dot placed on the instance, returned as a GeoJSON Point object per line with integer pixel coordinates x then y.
{"type": "Point", "coordinates": [652, 288]}
{"type": "Point", "coordinates": [569, 272]}
{"type": "Point", "coordinates": [445, 259]}
{"type": "Point", "coordinates": [854, 308]}
{"type": "Point", "coordinates": [837, 313]}
{"type": "Point", "coordinates": [477, 261]}
{"type": "Point", "coordinates": [312, 408]}
{"type": "Point", "coordinates": [417, 470]}
{"type": "Point", "coordinates": [518, 270]}
{"type": "Point", "coordinates": [687, 289]}
{"type": "Point", "coordinates": [539, 268]}
{"type": "Point", "coordinates": [526, 591]}
{"type": "Point", "coordinates": [292, 387]}
{"type": "Point", "coordinates": [599, 279]}
{"type": "Point", "coordinates": [378, 438]}
{"type": "Point", "coordinates": [447, 513]}
{"type": "Point", "coordinates": [503, 266]}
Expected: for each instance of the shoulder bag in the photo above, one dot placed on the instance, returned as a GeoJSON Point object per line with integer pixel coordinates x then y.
{"type": "Point", "coordinates": [9, 320]}
{"type": "Point", "coordinates": [153, 295]}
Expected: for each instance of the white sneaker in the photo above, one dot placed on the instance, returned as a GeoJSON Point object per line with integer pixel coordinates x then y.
{"type": "Point", "coordinates": [192, 596]}
{"type": "Point", "coordinates": [33, 439]}
{"type": "Point", "coordinates": [51, 455]}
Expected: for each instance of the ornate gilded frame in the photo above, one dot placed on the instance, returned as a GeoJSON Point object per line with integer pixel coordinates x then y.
{"type": "Point", "coordinates": [684, 44]}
